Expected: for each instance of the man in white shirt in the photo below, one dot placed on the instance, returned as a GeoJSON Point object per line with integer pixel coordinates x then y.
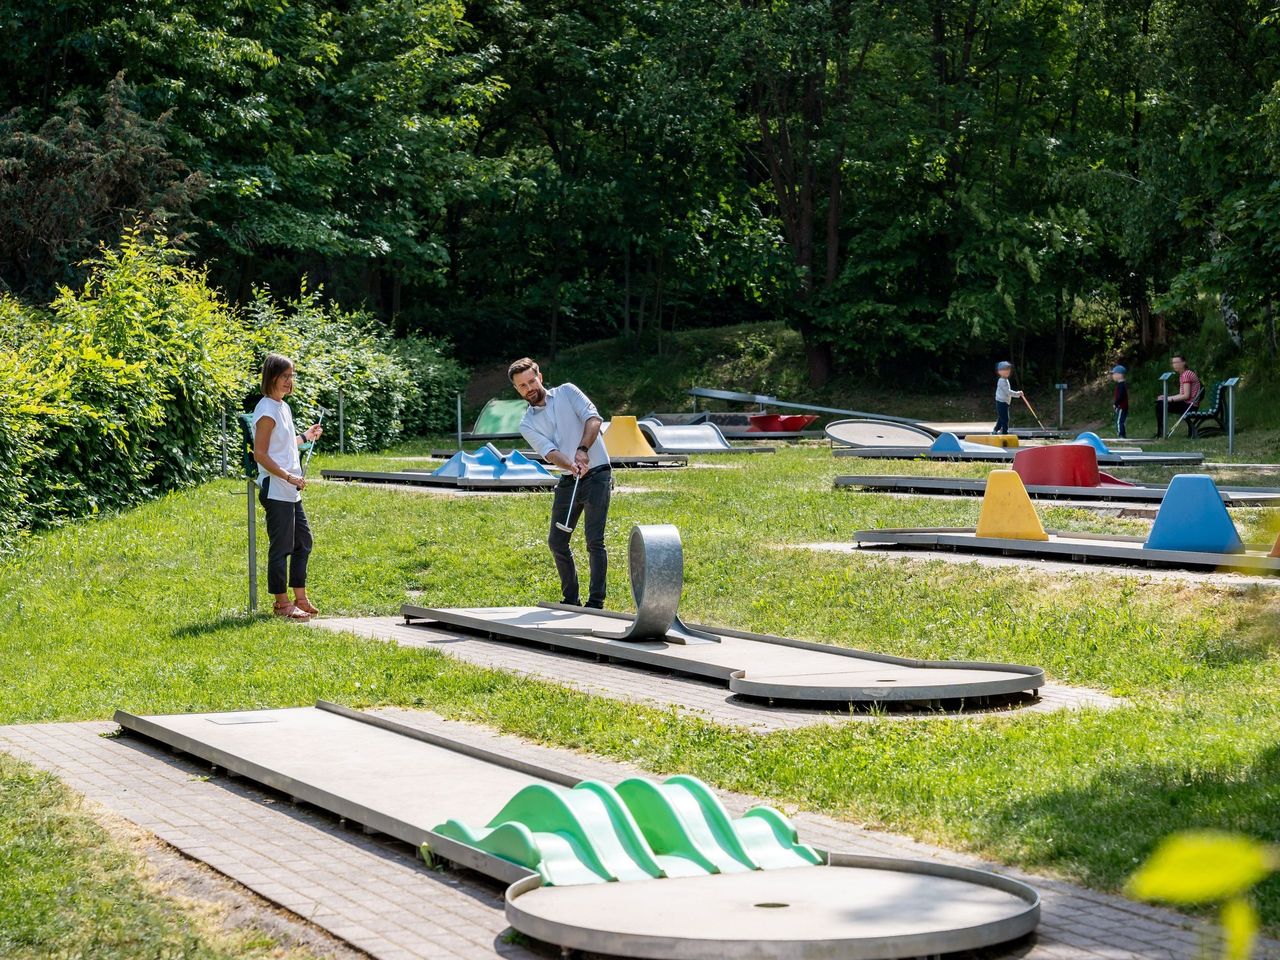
{"type": "Point", "coordinates": [563, 426]}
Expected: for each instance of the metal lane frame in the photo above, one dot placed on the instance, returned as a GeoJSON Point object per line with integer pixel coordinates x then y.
{"type": "Point", "coordinates": [1097, 547]}
{"type": "Point", "coordinates": [1140, 493]}
{"type": "Point", "coordinates": [367, 817]}
{"type": "Point", "coordinates": [653, 654]}
{"type": "Point", "coordinates": [425, 479]}
{"type": "Point", "coordinates": [996, 455]}
{"type": "Point", "coordinates": [520, 880]}
{"type": "Point", "coordinates": [659, 947]}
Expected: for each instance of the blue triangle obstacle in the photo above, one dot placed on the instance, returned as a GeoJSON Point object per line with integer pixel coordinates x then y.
{"type": "Point", "coordinates": [1192, 517]}
{"type": "Point", "coordinates": [490, 463]}
{"type": "Point", "coordinates": [946, 443]}
{"type": "Point", "coordinates": [950, 443]}
{"type": "Point", "coordinates": [1091, 439]}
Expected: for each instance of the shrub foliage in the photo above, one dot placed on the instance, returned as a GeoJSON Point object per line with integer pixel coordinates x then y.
{"type": "Point", "coordinates": [114, 393]}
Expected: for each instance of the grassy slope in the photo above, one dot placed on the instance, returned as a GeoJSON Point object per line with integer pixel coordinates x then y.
{"type": "Point", "coordinates": [624, 377]}
{"type": "Point", "coordinates": [134, 611]}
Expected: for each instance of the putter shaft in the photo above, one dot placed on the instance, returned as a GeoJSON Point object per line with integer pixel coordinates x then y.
{"type": "Point", "coordinates": [573, 497]}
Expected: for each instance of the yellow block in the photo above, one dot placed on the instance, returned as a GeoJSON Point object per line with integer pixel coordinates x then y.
{"type": "Point", "coordinates": [624, 439]}
{"type": "Point", "coordinates": [1007, 512]}
{"type": "Point", "coordinates": [994, 439]}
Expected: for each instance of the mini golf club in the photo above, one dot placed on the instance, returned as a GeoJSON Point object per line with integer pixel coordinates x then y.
{"type": "Point", "coordinates": [569, 512]}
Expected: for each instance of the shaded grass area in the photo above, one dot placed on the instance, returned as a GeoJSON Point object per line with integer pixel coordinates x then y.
{"type": "Point", "coordinates": [143, 611]}
{"type": "Point", "coordinates": [69, 889]}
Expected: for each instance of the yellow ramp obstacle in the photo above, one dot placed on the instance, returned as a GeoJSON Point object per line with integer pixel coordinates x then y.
{"type": "Point", "coordinates": [1007, 512]}
{"type": "Point", "coordinates": [993, 439]}
{"type": "Point", "coordinates": [623, 438]}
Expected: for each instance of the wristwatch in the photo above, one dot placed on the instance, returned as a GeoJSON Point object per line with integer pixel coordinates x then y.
{"type": "Point", "coordinates": [584, 449]}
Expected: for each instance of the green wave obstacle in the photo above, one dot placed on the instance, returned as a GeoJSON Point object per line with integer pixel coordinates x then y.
{"type": "Point", "coordinates": [639, 830]}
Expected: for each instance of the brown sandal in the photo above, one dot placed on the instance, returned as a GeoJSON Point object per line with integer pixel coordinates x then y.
{"type": "Point", "coordinates": [306, 605]}
{"type": "Point", "coordinates": [291, 612]}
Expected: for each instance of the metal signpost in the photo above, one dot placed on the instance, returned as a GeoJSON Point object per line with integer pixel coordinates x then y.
{"type": "Point", "coordinates": [342, 437]}
{"type": "Point", "coordinates": [253, 546]}
{"type": "Point", "coordinates": [1062, 393]}
{"type": "Point", "coordinates": [1164, 402]}
{"type": "Point", "coordinates": [1231, 412]}
{"type": "Point", "coordinates": [459, 421]}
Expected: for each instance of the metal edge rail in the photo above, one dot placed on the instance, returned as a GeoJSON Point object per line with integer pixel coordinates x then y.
{"type": "Point", "coordinates": [1106, 547]}
{"type": "Point", "coordinates": [637, 653]}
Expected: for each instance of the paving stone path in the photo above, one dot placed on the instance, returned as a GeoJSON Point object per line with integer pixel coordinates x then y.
{"type": "Point", "coordinates": [620, 682]}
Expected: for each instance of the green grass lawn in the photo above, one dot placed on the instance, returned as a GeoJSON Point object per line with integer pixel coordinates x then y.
{"type": "Point", "coordinates": [145, 611]}
{"type": "Point", "coordinates": [70, 889]}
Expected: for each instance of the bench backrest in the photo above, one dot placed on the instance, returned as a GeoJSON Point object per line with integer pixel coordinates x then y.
{"type": "Point", "coordinates": [1216, 391]}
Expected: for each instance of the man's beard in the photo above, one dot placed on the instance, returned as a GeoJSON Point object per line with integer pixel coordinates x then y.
{"type": "Point", "coordinates": [536, 396]}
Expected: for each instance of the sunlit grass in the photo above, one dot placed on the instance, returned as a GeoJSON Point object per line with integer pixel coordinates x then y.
{"type": "Point", "coordinates": [146, 611]}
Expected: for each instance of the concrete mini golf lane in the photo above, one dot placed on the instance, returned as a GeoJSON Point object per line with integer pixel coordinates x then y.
{"type": "Point", "coordinates": [755, 665]}
{"type": "Point", "coordinates": [404, 781]}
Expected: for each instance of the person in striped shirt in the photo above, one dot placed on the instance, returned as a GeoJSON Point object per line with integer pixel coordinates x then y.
{"type": "Point", "coordinates": [1187, 397]}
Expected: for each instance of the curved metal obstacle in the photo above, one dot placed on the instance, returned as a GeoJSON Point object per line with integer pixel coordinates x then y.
{"type": "Point", "coordinates": [876, 433]}
{"type": "Point", "coordinates": [656, 559]}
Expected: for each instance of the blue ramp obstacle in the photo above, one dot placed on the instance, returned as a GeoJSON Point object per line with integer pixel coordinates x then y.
{"type": "Point", "coordinates": [1192, 517]}
{"type": "Point", "coordinates": [950, 443]}
{"type": "Point", "coordinates": [1091, 439]}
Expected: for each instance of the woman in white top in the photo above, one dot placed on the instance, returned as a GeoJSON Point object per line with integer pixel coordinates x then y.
{"type": "Point", "coordinates": [280, 482]}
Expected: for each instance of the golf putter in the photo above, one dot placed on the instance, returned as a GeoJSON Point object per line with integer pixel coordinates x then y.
{"type": "Point", "coordinates": [569, 513]}
{"type": "Point", "coordinates": [1033, 411]}
{"type": "Point", "coordinates": [307, 459]}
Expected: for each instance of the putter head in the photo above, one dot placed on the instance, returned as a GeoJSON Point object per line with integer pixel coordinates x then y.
{"type": "Point", "coordinates": [564, 526]}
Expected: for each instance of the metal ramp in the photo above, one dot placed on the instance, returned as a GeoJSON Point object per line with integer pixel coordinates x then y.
{"type": "Point", "coordinates": [692, 438]}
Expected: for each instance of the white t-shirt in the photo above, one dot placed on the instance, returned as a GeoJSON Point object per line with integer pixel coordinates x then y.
{"type": "Point", "coordinates": [282, 448]}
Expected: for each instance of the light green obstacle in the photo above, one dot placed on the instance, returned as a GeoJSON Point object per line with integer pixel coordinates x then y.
{"type": "Point", "coordinates": [639, 830]}
{"type": "Point", "coordinates": [499, 419]}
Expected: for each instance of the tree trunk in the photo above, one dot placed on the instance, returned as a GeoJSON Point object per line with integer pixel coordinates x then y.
{"type": "Point", "coordinates": [1060, 316]}
{"type": "Point", "coordinates": [1269, 314]}
{"type": "Point", "coordinates": [555, 322]}
{"type": "Point", "coordinates": [1230, 320]}
{"type": "Point", "coordinates": [817, 355]}
{"type": "Point", "coordinates": [626, 289]}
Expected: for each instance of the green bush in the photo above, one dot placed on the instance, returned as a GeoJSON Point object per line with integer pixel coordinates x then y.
{"type": "Point", "coordinates": [151, 355]}
{"type": "Point", "coordinates": [114, 393]}
{"type": "Point", "coordinates": [333, 348]}
{"type": "Point", "coordinates": [438, 379]}
{"type": "Point", "coordinates": [29, 406]}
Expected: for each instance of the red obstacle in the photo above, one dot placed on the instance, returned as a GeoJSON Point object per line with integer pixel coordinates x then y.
{"type": "Point", "coordinates": [1062, 465]}
{"type": "Point", "coordinates": [778, 422]}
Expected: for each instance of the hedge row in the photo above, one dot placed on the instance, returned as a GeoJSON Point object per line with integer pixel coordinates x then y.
{"type": "Point", "coordinates": [113, 393]}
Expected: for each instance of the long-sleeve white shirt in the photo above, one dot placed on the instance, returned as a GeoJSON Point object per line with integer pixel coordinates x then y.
{"type": "Point", "coordinates": [1005, 391]}
{"type": "Point", "coordinates": [558, 425]}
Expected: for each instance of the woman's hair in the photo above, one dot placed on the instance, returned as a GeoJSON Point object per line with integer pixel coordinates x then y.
{"type": "Point", "coordinates": [273, 367]}
{"type": "Point", "coordinates": [520, 366]}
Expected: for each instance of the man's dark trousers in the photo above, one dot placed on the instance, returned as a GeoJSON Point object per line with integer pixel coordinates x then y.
{"type": "Point", "coordinates": [594, 490]}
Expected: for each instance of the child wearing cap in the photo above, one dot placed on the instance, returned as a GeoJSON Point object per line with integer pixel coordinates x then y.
{"type": "Point", "coordinates": [1121, 400]}
{"type": "Point", "coordinates": [1004, 393]}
